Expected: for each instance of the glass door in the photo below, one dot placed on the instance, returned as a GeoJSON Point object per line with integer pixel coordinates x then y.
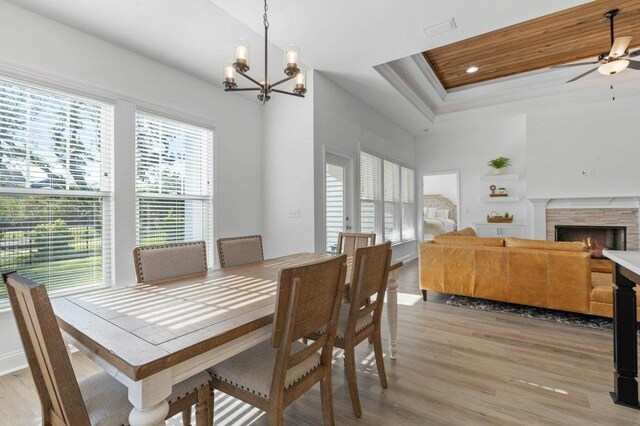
{"type": "Point", "coordinates": [337, 199]}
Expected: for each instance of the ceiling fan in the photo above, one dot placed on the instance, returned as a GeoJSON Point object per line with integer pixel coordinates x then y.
{"type": "Point", "coordinates": [613, 61]}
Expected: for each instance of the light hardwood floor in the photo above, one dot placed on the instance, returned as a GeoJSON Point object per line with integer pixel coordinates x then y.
{"type": "Point", "coordinates": [454, 366]}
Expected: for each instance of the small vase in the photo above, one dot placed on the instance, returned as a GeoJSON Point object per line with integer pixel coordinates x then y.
{"type": "Point", "coordinates": [498, 171]}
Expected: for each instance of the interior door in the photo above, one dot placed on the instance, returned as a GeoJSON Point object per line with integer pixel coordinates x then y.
{"type": "Point", "coordinates": [338, 207]}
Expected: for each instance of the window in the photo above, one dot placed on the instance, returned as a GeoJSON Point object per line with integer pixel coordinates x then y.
{"type": "Point", "coordinates": [387, 198]}
{"type": "Point", "coordinates": [174, 188]}
{"type": "Point", "coordinates": [55, 187]}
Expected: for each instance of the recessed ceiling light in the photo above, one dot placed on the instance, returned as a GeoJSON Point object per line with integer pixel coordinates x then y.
{"type": "Point", "coordinates": [472, 69]}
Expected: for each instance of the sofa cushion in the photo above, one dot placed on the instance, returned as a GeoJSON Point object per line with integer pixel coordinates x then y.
{"type": "Point", "coordinates": [468, 241]}
{"type": "Point", "coordinates": [545, 245]}
{"type": "Point", "coordinates": [602, 289]}
{"type": "Point", "coordinates": [465, 232]}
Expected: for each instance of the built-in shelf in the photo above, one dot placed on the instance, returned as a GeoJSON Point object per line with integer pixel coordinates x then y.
{"type": "Point", "coordinates": [509, 199]}
{"type": "Point", "coordinates": [499, 178]}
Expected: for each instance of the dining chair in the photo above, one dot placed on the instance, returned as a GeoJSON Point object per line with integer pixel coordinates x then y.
{"type": "Point", "coordinates": [234, 251]}
{"type": "Point", "coordinates": [360, 318]}
{"type": "Point", "coordinates": [348, 242]}
{"type": "Point", "coordinates": [164, 262]}
{"type": "Point", "coordinates": [95, 400]}
{"type": "Point", "coordinates": [273, 374]}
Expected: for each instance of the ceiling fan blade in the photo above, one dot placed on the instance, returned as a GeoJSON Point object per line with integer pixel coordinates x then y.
{"type": "Point", "coordinates": [636, 53]}
{"type": "Point", "coordinates": [620, 45]}
{"type": "Point", "coordinates": [582, 75]}
{"type": "Point", "coordinates": [634, 65]}
{"type": "Point", "coordinates": [573, 65]}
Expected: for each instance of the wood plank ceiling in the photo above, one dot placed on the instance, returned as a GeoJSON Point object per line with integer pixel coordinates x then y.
{"type": "Point", "coordinates": [566, 36]}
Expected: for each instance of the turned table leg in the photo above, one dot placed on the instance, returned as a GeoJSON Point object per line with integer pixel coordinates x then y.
{"type": "Point", "coordinates": [392, 312]}
{"type": "Point", "coordinates": [148, 397]}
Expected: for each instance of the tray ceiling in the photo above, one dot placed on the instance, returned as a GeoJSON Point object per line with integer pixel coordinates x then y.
{"type": "Point", "coordinates": [566, 36]}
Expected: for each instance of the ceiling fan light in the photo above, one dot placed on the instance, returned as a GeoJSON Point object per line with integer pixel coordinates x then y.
{"type": "Point", "coordinates": [613, 67]}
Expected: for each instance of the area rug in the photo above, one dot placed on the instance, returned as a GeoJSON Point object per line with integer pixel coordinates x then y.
{"type": "Point", "coordinates": [569, 318]}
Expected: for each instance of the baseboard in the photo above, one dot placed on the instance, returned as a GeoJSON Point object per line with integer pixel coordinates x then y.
{"type": "Point", "coordinates": [12, 361]}
{"type": "Point", "coordinates": [407, 258]}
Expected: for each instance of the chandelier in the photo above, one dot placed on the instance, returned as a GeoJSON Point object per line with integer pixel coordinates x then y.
{"type": "Point", "coordinates": [241, 66]}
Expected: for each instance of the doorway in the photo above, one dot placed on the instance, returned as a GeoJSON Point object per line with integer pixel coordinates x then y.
{"type": "Point", "coordinates": [440, 203]}
{"type": "Point", "coordinates": [337, 199]}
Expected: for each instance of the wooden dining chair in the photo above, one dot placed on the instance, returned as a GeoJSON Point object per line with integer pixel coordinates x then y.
{"type": "Point", "coordinates": [97, 399]}
{"type": "Point", "coordinates": [234, 251]}
{"type": "Point", "coordinates": [273, 374]}
{"type": "Point", "coordinates": [348, 242]}
{"type": "Point", "coordinates": [165, 262]}
{"type": "Point", "coordinates": [360, 318]}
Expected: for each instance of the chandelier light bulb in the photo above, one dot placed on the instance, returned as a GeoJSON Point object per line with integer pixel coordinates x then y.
{"type": "Point", "coordinates": [242, 56]}
{"type": "Point", "coordinates": [229, 73]}
{"type": "Point", "coordinates": [300, 83]}
{"type": "Point", "coordinates": [291, 60]}
{"type": "Point", "coordinates": [613, 67]}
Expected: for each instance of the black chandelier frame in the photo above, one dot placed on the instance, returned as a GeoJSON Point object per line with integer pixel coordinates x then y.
{"type": "Point", "coordinates": [291, 71]}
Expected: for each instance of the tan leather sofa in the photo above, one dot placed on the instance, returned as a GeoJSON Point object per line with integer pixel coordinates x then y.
{"type": "Point", "coordinates": [528, 272]}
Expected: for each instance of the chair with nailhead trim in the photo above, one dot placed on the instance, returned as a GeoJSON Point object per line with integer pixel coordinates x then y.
{"type": "Point", "coordinates": [155, 264]}
{"type": "Point", "coordinates": [235, 251]}
{"type": "Point", "coordinates": [273, 374]}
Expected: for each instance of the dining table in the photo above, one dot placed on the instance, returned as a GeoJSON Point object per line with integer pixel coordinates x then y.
{"type": "Point", "coordinates": [152, 336]}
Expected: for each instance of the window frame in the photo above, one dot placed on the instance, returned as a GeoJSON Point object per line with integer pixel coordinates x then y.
{"type": "Point", "coordinates": [379, 205]}
{"type": "Point", "coordinates": [210, 207]}
{"type": "Point", "coordinates": [106, 192]}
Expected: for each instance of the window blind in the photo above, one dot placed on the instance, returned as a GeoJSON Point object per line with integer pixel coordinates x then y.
{"type": "Point", "coordinates": [408, 205]}
{"type": "Point", "coordinates": [174, 181]}
{"type": "Point", "coordinates": [370, 193]}
{"type": "Point", "coordinates": [55, 186]}
{"type": "Point", "coordinates": [387, 198]}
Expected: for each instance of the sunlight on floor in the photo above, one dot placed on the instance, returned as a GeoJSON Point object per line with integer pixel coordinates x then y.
{"type": "Point", "coordinates": [408, 299]}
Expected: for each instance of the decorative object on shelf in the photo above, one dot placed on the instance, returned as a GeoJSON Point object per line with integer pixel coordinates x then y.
{"type": "Point", "coordinates": [494, 217]}
{"type": "Point", "coordinates": [499, 164]}
{"type": "Point", "coordinates": [241, 66]}
{"type": "Point", "coordinates": [498, 192]}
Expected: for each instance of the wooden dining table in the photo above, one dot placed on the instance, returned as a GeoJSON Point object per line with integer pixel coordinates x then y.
{"type": "Point", "coordinates": [152, 336]}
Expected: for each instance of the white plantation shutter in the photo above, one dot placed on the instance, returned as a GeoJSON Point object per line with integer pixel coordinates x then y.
{"type": "Point", "coordinates": [174, 181]}
{"type": "Point", "coordinates": [55, 186]}
{"type": "Point", "coordinates": [370, 193]}
{"type": "Point", "coordinates": [387, 198]}
{"type": "Point", "coordinates": [407, 195]}
{"type": "Point", "coordinates": [391, 201]}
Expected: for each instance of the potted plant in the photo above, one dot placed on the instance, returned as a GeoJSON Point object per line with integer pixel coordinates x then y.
{"type": "Point", "coordinates": [499, 164]}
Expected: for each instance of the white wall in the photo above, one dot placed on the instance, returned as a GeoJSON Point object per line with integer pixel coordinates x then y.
{"type": "Point", "coordinates": [466, 145]}
{"type": "Point", "coordinates": [441, 184]}
{"type": "Point", "coordinates": [601, 138]}
{"type": "Point", "coordinates": [342, 122]}
{"type": "Point", "coordinates": [41, 49]}
{"type": "Point", "coordinates": [288, 174]}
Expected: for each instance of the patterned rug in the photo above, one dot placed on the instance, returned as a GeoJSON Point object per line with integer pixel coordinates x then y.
{"type": "Point", "coordinates": [569, 318]}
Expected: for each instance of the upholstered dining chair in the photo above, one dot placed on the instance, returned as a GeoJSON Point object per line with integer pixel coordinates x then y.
{"type": "Point", "coordinates": [234, 251]}
{"type": "Point", "coordinates": [160, 263]}
{"type": "Point", "coordinates": [360, 318]}
{"type": "Point", "coordinates": [95, 400]}
{"type": "Point", "coordinates": [348, 242]}
{"type": "Point", "coordinates": [273, 374]}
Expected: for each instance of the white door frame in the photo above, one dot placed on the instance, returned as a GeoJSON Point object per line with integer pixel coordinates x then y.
{"type": "Point", "coordinates": [346, 160]}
